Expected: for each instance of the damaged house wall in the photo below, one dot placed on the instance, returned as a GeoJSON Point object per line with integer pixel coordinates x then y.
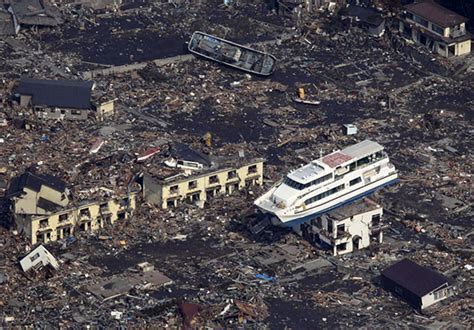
{"type": "Point", "coordinates": [33, 193]}
{"type": "Point", "coordinates": [88, 217]}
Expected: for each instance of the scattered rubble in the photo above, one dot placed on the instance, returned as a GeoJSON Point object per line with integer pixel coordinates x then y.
{"type": "Point", "coordinates": [225, 268]}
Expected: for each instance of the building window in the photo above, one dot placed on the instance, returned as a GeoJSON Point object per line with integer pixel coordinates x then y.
{"type": "Point", "coordinates": [85, 213]}
{"type": "Point", "coordinates": [104, 207]}
{"type": "Point", "coordinates": [439, 294]}
{"type": "Point", "coordinates": [213, 179]}
{"type": "Point", "coordinates": [252, 169]}
{"type": "Point", "coordinates": [341, 247]}
{"type": "Point", "coordinates": [376, 219]}
{"type": "Point", "coordinates": [231, 175]}
{"type": "Point", "coordinates": [170, 203]}
{"type": "Point", "coordinates": [63, 112]}
{"type": "Point", "coordinates": [341, 229]}
{"type": "Point", "coordinates": [355, 181]}
{"type": "Point", "coordinates": [121, 215]}
{"type": "Point", "coordinates": [63, 217]}
{"type": "Point", "coordinates": [174, 189]}
{"type": "Point", "coordinates": [192, 184]}
{"type": "Point", "coordinates": [76, 112]}
{"type": "Point", "coordinates": [44, 223]}
{"type": "Point", "coordinates": [319, 223]}
{"type": "Point", "coordinates": [34, 257]}
{"type": "Point", "coordinates": [125, 201]}
{"type": "Point", "coordinates": [437, 29]}
{"type": "Point", "coordinates": [420, 20]}
{"type": "Point", "coordinates": [330, 227]}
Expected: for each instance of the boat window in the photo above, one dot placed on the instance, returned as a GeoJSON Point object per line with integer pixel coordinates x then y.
{"type": "Point", "coordinates": [324, 194]}
{"type": "Point", "coordinates": [292, 183]}
{"type": "Point", "coordinates": [355, 181]}
{"type": "Point", "coordinates": [300, 186]}
{"type": "Point", "coordinates": [363, 161]}
{"type": "Point", "coordinates": [319, 180]}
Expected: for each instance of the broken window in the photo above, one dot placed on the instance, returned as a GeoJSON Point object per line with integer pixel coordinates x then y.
{"type": "Point", "coordinates": [192, 184]}
{"type": "Point", "coordinates": [44, 223]}
{"type": "Point", "coordinates": [249, 183]}
{"type": "Point", "coordinates": [213, 179]}
{"type": "Point", "coordinates": [341, 247]}
{"type": "Point", "coordinates": [85, 212]}
{"type": "Point", "coordinates": [121, 215]}
{"type": "Point", "coordinates": [104, 207]}
{"type": "Point", "coordinates": [231, 175]}
{"type": "Point", "coordinates": [39, 238]}
{"type": "Point", "coordinates": [252, 169]}
{"type": "Point", "coordinates": [330, 227]}
{"type": "Point", "coordinates": [67, 231]}
{"type": "Point", "coordinates": [341, 229]}
{"type": "Point", "coordinates": [174, 189]}
{"type": "Point", "coordinates": [318, 222]}
{"type": "Point", "coordinates": [125, 201]}
{"type": "Point", "coordinates": [376, 219]}
{"type": "Point", "coordinates": [63, 217]}
{"type": "Point", "coordinates": [170, 203]}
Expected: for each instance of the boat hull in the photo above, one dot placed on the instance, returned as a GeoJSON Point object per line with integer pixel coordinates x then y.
{"type": "Point", "coordinates": [266, 70]}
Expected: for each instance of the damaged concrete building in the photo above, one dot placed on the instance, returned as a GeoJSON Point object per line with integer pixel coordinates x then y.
{"type": "Point", "coordinates": [63, 99]}
{"type": "Point", "coordinates": [169, 188]}
{"type": "Point", "coordinates": [437, 28]}
{"type": "Point", "coordinates": [348, 228]}
{"type": "Point", "coordinates": [42, 210]}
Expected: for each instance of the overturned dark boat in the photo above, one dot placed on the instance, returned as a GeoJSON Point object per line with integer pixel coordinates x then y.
{"type": "Point", "coordinates": [232, 54]}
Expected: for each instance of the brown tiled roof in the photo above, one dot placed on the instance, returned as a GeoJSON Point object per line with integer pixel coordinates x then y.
{"type": "Point", "coordinates": [436, 13]}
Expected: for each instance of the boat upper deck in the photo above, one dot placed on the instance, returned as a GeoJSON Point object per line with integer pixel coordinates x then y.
{"type": "Point", "coordinates": [354, 152]}
{"type": "Point", "coordinates": [307, 173]}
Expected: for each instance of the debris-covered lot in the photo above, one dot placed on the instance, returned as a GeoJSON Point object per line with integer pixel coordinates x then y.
{"type": "Point", "coordinates": [418, 106]}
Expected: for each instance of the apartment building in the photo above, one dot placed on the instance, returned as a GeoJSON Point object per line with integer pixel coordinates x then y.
{"type": "Point", "coordinates": [88, 217]}
{"type": "Point", "coordinates": [43, 211]}
{"type": "Point", "coordinates": [348, 228]}
{"type": "Point", "coordinates": [437, 28]}
{"type": "Point", "coordinates": [169, 189]}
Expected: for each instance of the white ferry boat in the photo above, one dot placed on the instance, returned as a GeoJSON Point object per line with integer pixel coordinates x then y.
{"type": "Point", "coordinates": [328, 183]}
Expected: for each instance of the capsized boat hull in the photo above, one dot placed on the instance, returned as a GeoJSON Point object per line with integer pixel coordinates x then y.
{"type": "Point", "coordinates": [231, 54]}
